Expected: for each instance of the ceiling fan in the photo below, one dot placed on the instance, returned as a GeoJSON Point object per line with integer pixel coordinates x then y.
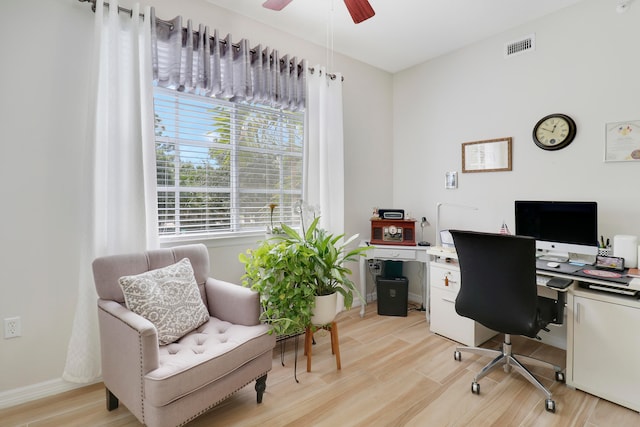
{"type": "Point", "coordinates": [360, 10]}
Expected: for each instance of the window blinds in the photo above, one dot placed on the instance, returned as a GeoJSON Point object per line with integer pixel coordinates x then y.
{"type": "Point", "coordinates": [221, 164]}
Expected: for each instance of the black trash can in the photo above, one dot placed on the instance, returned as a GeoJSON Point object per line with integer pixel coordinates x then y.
{"type": "Point", "coordinates": [393, 296]}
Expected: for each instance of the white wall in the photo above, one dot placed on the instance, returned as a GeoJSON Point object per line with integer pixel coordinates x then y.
{"type": "Point", "coordinates": [43, 100]}
{"type": "Point", "coordinates": [586, 64]}
{"type": "Point", "coordinates": [43, 103]}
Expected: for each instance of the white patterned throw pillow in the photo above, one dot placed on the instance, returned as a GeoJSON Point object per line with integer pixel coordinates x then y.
{"type": "Point", "coordinates": [168, 297]}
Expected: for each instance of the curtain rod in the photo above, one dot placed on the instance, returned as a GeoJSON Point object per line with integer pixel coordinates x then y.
{"type": "Point", "coordinates": [170, 25]}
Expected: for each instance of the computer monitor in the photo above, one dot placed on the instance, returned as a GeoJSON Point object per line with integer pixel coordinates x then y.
{"type": "Point", "coordinates": [564, 231]}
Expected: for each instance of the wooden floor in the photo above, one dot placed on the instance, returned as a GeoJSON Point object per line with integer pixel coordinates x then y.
{"type": "Point", "coordinates": [394, 373]}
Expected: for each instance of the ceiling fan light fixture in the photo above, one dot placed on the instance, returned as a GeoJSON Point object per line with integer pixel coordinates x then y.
{"type": "Point", "coordinates": [360, 10]}
{"type": "Point", "coordinates": [276, 4]}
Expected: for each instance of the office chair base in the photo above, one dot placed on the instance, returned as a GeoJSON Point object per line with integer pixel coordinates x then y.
{"type": "Point", "coordinates": [506, 359]}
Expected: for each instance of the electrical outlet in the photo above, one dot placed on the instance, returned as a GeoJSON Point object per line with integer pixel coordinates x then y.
{"type": "Point", "coordinates": [375, 266]}
{"type": "Point", "coordinates": [12, 327]}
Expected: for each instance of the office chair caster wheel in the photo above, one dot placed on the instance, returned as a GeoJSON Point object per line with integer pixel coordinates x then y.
{"type": "Point", "coordinates": [475, 388]}
{"type": "Point", "coordinates": [560, 377]}
{"type": "Point", "coordinates": [550, 405]}
{"type": "Point", "coordinates": [457, 356]}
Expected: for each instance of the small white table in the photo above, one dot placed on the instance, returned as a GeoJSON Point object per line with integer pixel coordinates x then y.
{"type": "Point", "coordinates": [395, 253]}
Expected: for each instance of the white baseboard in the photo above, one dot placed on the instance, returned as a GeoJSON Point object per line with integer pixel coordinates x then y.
{"type": "Point", "coordinates": [28, 393]}
{"type": "Point", "coordinates": [415, 298]}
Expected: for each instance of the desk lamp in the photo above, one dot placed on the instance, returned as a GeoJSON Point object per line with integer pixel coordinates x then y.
{"type": "Point", "coordinates": [438, 206]}
{"type": "Point", "coordinates": [423, 224]}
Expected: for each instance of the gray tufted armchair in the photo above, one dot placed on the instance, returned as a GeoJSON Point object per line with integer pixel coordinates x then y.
{"type": "Point", "coordinates": [168, 385]}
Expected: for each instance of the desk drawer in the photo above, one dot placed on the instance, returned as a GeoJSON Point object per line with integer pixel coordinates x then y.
{"type": "Point", "coordinates": [446, 277]}
{"type": "Point", "coordinates": [444, 319]}
{"type": "Point", "coordinates": [392, 254]}
{"type": "Point", "coordinates": [446, 322]}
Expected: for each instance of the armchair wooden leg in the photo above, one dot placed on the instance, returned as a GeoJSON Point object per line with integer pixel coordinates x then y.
{"type": "Point", "coordinates": [261, 386]}
{"type": "Point", "coordinates": [112, 401]}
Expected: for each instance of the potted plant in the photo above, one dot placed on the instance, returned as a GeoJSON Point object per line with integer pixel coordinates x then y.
{"type": "Point", "coordinates": [291, 269]}
{"type": "Point", "coordinates": [271, 229]}
{"type": "Point", "coordinates": [335, 276]}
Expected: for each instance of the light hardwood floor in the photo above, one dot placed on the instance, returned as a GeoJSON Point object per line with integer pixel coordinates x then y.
{"type": "Point", "coordinates": [394, 373]}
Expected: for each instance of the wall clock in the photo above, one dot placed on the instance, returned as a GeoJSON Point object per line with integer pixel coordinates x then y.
{"type": "Point", "coordinates": [554, 131]}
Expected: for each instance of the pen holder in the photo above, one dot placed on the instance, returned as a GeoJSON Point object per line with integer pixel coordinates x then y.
{"type": "Point", "coordinates": [605, 251]}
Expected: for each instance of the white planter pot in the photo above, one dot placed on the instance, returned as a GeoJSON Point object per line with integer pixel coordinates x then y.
{"type": "Point", "coordinates": [325, 309]}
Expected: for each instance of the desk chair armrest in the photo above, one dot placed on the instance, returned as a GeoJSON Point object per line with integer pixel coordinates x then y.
{"type": "Point", "coordinates": [551, 310]}
{"type": "Point", "coordinates": [233, 303]}
{"type": "Point", "coordinates": [559, 283]}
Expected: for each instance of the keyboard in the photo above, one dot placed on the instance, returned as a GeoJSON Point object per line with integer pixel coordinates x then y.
{"type": "Point", "coordinates": [611, 289]}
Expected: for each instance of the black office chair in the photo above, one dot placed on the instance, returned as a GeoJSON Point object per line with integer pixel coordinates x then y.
{"type": "Point", "coordinates": [498, 289]}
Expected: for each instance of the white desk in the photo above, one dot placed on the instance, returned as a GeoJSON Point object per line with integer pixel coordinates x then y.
{"type": "Point", "coordinates": [444, 284]}
{"type": "Point", "coordinates": [602, 345]}
{"type": "Point", "coordinates": [394, 253]}
{"type": "Point", "coordinates": [598, 334]}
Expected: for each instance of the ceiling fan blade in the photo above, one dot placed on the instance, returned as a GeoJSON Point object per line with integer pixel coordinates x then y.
{"type": "Point", "coordinates": [276, 4]}
{"type": "Point", "coordinates": [360, 10]}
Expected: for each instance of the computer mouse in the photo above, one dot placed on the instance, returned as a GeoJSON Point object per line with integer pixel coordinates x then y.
{"type": "Point", "coordinates": [553, 264]}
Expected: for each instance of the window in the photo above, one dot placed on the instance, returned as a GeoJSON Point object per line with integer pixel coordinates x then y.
{"type": "Point", "coordinates": [220, 164]}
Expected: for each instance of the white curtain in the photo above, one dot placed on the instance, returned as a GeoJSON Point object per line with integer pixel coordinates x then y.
{"type": "Point", "coordinates": [120, 191]}
{"type": "Point", "coordinates": [324, 161]}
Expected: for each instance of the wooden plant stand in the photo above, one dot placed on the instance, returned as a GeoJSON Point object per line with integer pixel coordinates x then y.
{"type": "Point", "coordinates": [335, 343]}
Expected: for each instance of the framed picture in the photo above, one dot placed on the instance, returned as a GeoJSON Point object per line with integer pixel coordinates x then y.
{"type": "Point", "coordinates": [622, 142]}
{"type": "Point", "coordinates": [491, 155]}
{"type": "Point", "coordinates": [451, 180]}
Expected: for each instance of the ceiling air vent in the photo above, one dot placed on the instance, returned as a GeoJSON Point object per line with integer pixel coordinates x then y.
{"type": "Point", "coordinates": [520, 46]}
